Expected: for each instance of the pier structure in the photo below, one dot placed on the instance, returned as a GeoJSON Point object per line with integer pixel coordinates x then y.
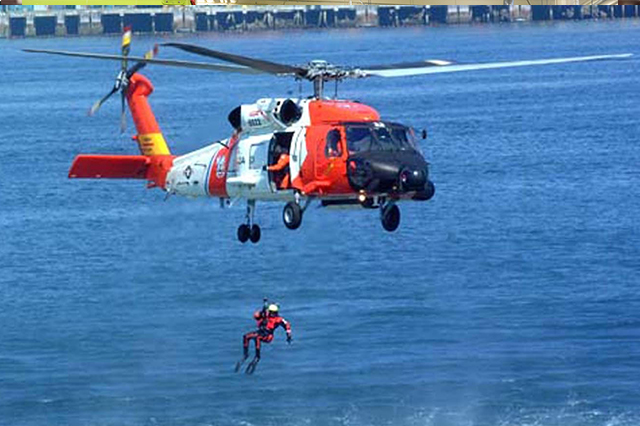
{"type": "Point", "coordinates": [91, 21]}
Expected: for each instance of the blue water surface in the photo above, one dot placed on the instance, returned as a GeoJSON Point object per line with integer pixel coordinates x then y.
{"type": "Point", "coordinates": [509, 299]}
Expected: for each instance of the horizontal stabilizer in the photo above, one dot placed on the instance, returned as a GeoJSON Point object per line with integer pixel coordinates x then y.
{"type": "Point", "coordinates": [109, 167]}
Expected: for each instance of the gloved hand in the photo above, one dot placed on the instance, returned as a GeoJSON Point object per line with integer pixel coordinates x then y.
{"type": "Point", "coordinates": [288, 338]}
{"type": "Point", "coordinates": [264, 168]}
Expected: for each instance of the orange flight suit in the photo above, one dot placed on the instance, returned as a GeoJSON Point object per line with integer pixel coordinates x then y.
{"type": "Point", "coordinates": [281, 165]}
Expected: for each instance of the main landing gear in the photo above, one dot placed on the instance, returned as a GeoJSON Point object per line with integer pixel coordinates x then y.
{"type": "Point", "coordinates": [249, 230]}
{"type": "Point", "coordinates": [390, 216]}
{"type": "Point", "coordinates": [292, 213]}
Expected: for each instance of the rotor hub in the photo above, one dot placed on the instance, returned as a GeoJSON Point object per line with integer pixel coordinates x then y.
{"type": "Point", "coordinates": [122, 81]}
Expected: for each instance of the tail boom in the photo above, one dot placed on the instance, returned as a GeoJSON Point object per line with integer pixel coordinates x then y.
{"type": "Point", "coordinates": [149, 138]}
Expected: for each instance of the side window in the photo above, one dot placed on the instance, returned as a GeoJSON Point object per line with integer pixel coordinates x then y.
{"type": "Point", "coordinates": [234, 161]}
{"type": "Point", "coordinates": [258, 156]}
{"type": "Point", "coordinates": [333, 147]}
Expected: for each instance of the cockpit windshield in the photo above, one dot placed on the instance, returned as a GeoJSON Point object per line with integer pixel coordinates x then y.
{"type": "Point", "coordinates": [379, 136]}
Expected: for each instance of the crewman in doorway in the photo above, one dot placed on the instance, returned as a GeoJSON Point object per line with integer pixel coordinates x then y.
{"type": "Point", "coordinates": [282, 166]}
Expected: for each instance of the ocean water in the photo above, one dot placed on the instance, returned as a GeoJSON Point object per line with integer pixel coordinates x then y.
{"type": "Point", "coordinates": [510, 299]}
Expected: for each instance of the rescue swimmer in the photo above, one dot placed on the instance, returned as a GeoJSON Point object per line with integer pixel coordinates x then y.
{"type": "Point", "coordinates": [268, 320]}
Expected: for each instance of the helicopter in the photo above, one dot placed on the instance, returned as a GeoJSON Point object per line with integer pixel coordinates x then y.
{"type": "Point", "coordinates": [288, 150]}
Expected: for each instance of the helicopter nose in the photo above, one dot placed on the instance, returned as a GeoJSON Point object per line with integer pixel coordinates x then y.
{"type": "Point", "coordinates": [426, 193]}
{"type": "Point", "coordinates": [361, 173]}
{"type": "Point", "coordinates": [412, 179]}
{"type": "Point", "coordinates": [384, 172]}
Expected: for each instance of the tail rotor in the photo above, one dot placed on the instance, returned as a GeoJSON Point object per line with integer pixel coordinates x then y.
{"type": "Point", "coordinates": [122, 79]}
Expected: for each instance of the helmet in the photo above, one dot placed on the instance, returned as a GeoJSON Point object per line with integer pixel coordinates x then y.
{"type": "Point", "coordinates": [273, 308]}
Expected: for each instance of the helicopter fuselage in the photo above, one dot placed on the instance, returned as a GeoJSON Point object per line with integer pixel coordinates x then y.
{"type": "Point", "coordinates": [337, 150]}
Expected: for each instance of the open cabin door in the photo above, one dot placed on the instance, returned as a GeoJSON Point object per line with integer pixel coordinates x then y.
{"type": "Point", "coordinates": [280, 144]}
{"type": "Point", "coordinates": [298, 152]}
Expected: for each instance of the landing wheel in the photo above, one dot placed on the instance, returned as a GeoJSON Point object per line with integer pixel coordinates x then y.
{"type": "Point", "coordinates": [244, 232]}
{"type": "Point", "coordinates": [254, 234]}
{"type": "Point", "coordinates": [390, 217]}
{"type": "Point", "coordinates": [292, 215]}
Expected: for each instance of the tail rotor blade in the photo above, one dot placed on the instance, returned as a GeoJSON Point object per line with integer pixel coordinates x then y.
{"type": "Point", "coordinates": [123, 116]}
{"type": "Point", "coordinates": [134, 69]}
{"type": "Point", "coordinates": [99, 103]}
{"type": "Point", "coordinates": [126, 46]}
{"type": "Point", "coordinates": [139, 65]}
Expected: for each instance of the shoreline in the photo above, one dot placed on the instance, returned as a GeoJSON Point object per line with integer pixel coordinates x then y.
{"type": "Point", "coordinates": [93, 22]}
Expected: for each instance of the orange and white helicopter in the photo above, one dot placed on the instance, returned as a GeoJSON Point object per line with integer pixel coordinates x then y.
{"type": "Point", "coordinates": [285, 150]}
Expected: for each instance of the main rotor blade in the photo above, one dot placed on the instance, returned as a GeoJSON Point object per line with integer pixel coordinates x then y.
{"type": "Point", "coordinates": [258, 64]}
{"type": "Point", "coordinates": [408, 71]}
{"type": "Point", "coordinates": [409, 65]}
{"type": "Point", "coordinates": [99, 103]}
{"type": "Point", "coordinates": [166, 62]}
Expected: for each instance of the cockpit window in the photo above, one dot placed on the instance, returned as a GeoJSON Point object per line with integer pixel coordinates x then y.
{"type": "Point", "coordinates": [385, 140]}
{"type": "Point", "coordinates": [358, 138]}
{"type": "Point", "coordinates": [333, 147]}
{"type": "Point", "coordinates": [402, 135]}
{"type": "Point", "coordinates": [379, 137]}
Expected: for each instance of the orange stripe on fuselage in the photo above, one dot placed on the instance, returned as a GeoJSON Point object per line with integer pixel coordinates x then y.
{"type": "Point", "coordinates": [340, 111]}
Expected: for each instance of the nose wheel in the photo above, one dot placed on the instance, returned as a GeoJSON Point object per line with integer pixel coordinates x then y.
{"type": "Point", "coordinates": [390, 217]}
{"type": "Point", "coordinates": [249, 231]}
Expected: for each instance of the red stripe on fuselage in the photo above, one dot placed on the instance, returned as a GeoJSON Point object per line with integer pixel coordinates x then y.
{"type": "Point", "coordinates": [217, 184]}
{"type": "Point", "coordinates": [218, 174]}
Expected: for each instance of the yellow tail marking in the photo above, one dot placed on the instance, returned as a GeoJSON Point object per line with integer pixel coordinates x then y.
{"type": "Point", "coordinates": [153, 144]}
